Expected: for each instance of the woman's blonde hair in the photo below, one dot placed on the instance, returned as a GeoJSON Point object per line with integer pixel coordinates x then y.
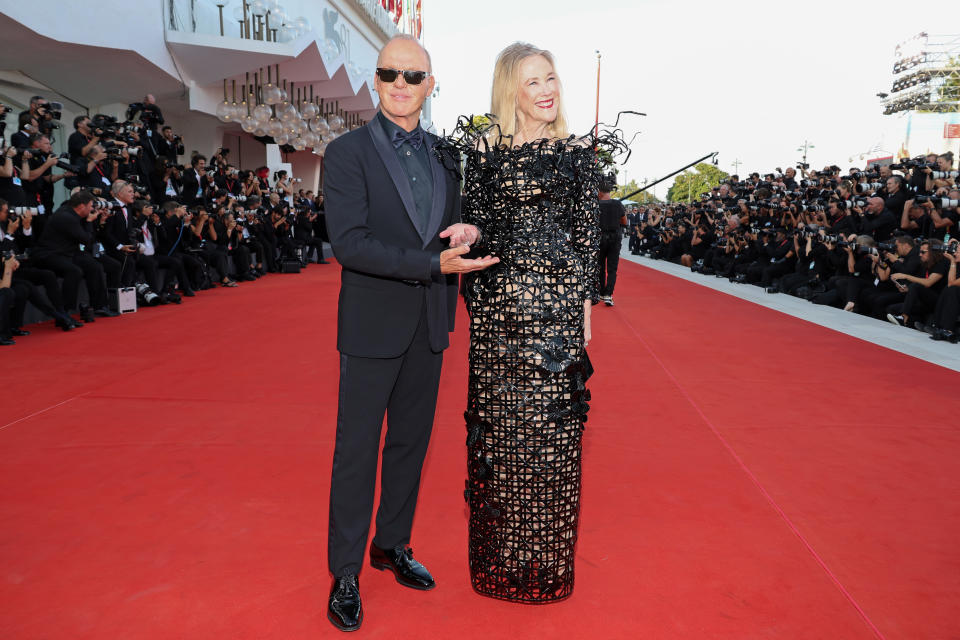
{"type": "Point", "coordinates": [506, 83]}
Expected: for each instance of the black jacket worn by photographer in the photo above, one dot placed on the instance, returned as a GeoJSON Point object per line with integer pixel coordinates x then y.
{"type": "Point", "coordinates": [63, 234]}
{"type": "Point", "coordinates": [881, 226]}
{"type": "Point", "coordinates": [193, 189]}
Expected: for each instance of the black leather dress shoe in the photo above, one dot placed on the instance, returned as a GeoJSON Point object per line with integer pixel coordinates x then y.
{"type": "Point", "coordinates": [408, 571]}
{"type": "Point", "coordinates": [7, 342]}
{"type": "Point", "coordinates": [344, 609]}
{"type": "Point", "coordinates": [19, 332]}
{"type": "Point", "coordinates": [105, 312]}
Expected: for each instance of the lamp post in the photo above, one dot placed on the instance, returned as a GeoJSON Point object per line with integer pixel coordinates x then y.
{"type": "Point", "coordinates": [596, 122]}
{"type": "Point", "coordinates": [804, 148]}
{"type": "Point", "coordinates": [736, 166]}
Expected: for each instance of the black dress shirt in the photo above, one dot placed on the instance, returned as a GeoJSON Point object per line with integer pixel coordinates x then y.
{"type": "Point", "coordinates": [416, 164]}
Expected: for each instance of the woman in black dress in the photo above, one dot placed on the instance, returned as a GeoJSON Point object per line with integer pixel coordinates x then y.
{"type": "Point", "coordinates": [531, 189]}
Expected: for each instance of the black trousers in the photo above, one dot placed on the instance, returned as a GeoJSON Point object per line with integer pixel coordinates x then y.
{"type": "Point", "coordinates": [405, 388]}
{"type": "Point", "coordinates": [7, 300]}
{"type": "Point", "coordinates": [82, 266]}
{"type": "Point", "coordinates": [948, 309]}
{"type": "Point", "coordinates": [42, 278]}
{"type": "Point", "coordinates": [875, 300]}
{"type": "Point", "coordinates": [132, 263]}
{"type": "Point", "coordinates": [919, 300]}
{"type": "Point", "coordinates": [24, 291]}
{"type": "Point", "coordinates": [609, 259]}
{"type": "Point", "coordinates": [175, 270]}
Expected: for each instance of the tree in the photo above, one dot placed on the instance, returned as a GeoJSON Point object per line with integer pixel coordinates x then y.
{"type": "Point", "coordinates": [688, 186]}
{"type": "Point", "coordinates": [644, 197]}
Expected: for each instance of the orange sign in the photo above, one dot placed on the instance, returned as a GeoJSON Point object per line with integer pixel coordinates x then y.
{"type": "Point", "coordinates": [951, 131]}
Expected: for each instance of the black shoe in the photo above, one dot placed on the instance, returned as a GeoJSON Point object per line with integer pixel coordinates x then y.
{"type": "Point", "coordinates": [172, 297]}
{"type": "Point", "coordinates": [322, 261]}
{"type": "Point", "coordinates": [344, 608]}
{"type": "Point", "coordinates": [7, 342]}
{"type": "Point", "coordinates": [944, 334]}
{"type": "Point", "coordinates": [65, 322]}
{"type": "Point", "coordinates": [19, 332]}
{"type": "Point", "coordinates": [189, 293]}
{"type": "Point", "coordinates": [105, 312]}
{"type": "Point", "coordinates": [926, 328]}
{"type": "Point", "coordinates": [86, 314]}
{"type": "Point", "coordinates": [407, 571]}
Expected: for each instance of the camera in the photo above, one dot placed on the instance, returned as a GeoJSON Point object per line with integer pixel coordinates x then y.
{"type": "Point", "coordinates": [944, 175]}
{"type": "Point", "coordinates": [868, 187]}
{"type": "Point", "coordinates": [149, 113]}
{"type": "Point", "coordinates": [938, 202]}
{"type": "Point", "coordinates": [15, 212]}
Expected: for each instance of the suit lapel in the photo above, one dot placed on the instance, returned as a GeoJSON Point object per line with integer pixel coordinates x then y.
{"type": "Point", "coordinates": [439, 190]}
{"type": "Point", "coordinates": [386, 152]}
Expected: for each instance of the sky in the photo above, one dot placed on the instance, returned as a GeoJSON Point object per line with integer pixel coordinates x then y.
{"type": "Point", "coordinates": [751, 80]}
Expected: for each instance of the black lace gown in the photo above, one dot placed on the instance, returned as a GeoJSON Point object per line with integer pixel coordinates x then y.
{"type": "Point", "coordinates": [537, 209]}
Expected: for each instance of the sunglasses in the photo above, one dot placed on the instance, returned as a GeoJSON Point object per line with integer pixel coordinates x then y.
{"type": "Point", "coordinates": [410, 77]}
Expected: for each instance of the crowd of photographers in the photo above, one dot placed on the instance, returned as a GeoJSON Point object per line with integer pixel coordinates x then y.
{"type": "Point", "coordinates": [880, 242]}
{"type": "Point", "coordinates": [135, 218]}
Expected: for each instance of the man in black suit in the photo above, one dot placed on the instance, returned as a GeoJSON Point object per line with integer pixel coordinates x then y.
{"type": "Point", "coordinates": [195, 182]}
{"type": "Point", "coordinates": [58, 250]}
{"type": "Point", "coordinates": [390, 206]}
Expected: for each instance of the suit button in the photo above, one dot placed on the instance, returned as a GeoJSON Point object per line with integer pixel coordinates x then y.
{"type": "Point", "coordinates": [414, 178]}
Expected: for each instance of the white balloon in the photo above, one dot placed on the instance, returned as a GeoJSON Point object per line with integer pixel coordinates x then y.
{"type": "Point", "coordinates": [272, 94]}
{"type": "Point", "coordinates": [225, 112]}
{"type": "Point", "coordinates": [262, 113]}
{"type": "Point", "coordinates": [281, 139]}
{"type": "Point", "coordinates": [299, 144]}
{"type": "Point", "coordinates": [274, 127]}
{"type": "Point", "coordinates": [249, 124]}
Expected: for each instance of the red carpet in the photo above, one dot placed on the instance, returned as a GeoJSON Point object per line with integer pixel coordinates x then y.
{"type": "Point", "coordinates": [747, 475]}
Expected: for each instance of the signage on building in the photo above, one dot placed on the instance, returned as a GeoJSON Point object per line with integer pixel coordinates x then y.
{"type": "Point", "coordinates": [951, 130]}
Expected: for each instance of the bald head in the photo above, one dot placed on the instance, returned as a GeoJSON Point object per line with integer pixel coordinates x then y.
{"type": "Point", "coordinates": [407, 45]}
{"type": "Point", "coordinates": [875, 205]}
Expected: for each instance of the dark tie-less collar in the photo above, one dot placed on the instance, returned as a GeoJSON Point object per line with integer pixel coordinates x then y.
{"type": "Point", "coordinates": [415, 138]}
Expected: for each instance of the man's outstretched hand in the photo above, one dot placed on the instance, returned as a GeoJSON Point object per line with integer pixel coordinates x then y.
{"type": "Point", "coordinates": [452, 261]}
{"type": "Point", "coordinates": [461, 233]}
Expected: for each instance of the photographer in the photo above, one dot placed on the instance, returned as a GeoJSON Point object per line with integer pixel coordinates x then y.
{"type": "Point", "coordinates": [229, 181]}
{"type": "Point", "coordinates": [27, 127]}
{"type": "Point", "coordinates": [228, 237]}
{"type": "Point", "coordinates": [174, 243]}
{"type": "Point", "coordinates": [39, 188]}
{"type": "Point", "coordinates": [196, 182]}
{"type": "Point", "coordinates": [13, 172]}
{"type": "Point", "coordinates": [612, 217]}
{"type": "Point", "coordinates": [861, 270]}
{"type": "Point", "coordinates": [59, 250]}
{"type": "Point", "coordinates": [124, 240]}
{"type": "Point", "coordinates": [147, 219]}
{"type": "Point", "coordinates": [98, 173]}
{"type": "Point", "coordinates": [304, 236]}
{"type": "Point", "coordinates": [169, 146]}
{"type": "Point", "coordinates": [165, 181]}
{"type": "Point", "coordinates": [205, 238]}
{"type": "Point", "coordinates": [922, 293]}
{"type": "Point", "coordinates": [82, 141]}
{"type": "Point", "coordinates": [700, 243]}
{"type": "Point", "coordinates": [876, 220]}
{"type": "Point", "coordinates": [283, 186]}
{"type": "Point", "coordinates": [17, 235]}
{"type": "Point", "coordinates": [947, 312]}
{"type": "Point", "coordinates": [944, 164]}
{"type": "Point", "coordinates": [7, 300]}
{"type": "Point", "coordinates": [249, 185]}
{"type": "Point", "coordinates": [904, 258]}
{"type": "Point", "coordinates": [265, 232]}
{"type": "Point", "coordinates": [776, 257]}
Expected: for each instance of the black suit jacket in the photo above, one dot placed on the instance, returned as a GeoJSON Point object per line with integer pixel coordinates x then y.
{"type": "Point", "coordinates": [390, 266]}
{"type": "Point", "coordinates": [189, 186]}
{"type": "Point", "coordinates": [63, 234]}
